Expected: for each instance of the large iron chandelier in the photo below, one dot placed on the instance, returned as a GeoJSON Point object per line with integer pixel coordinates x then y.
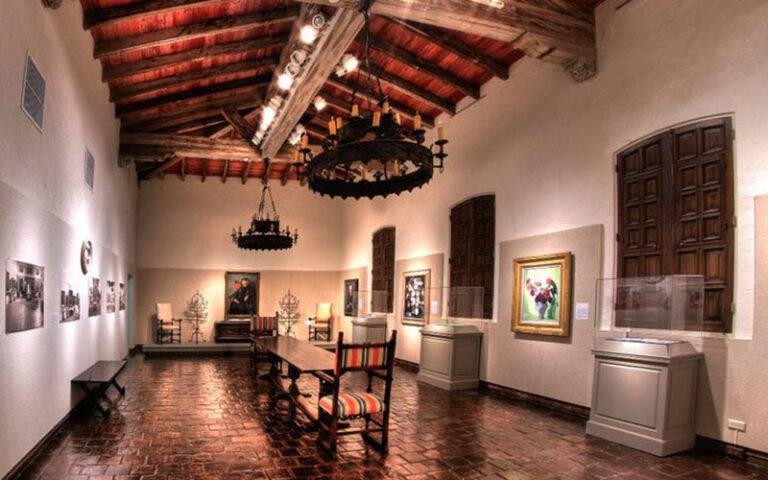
{"type": "Point", "coordinates": [264, 232]}
{"type": "Point", "coordinates": [371, 154]}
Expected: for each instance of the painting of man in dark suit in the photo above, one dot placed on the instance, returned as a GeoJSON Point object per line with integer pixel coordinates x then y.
{"type": "Point", "coordinates": [242, 294]}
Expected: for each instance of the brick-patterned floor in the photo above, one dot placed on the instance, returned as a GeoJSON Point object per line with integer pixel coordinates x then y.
{"type": "Point", "coordinates": [205, 418]}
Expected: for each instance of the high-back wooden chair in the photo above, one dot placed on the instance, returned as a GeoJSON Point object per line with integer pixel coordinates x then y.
{"type": "Point", "coordinates": [261, 327]}
{"type": "Point", "coordinates": [322, 322]}
{"type": "Point", "coordinates": [168, 329]}
{"type": "Point", "coordinates": [336, 407]}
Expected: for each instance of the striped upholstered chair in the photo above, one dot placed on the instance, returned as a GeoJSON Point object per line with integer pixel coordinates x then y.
{"type": "Point", "coordinates": [338, 409]}
{"type": "Point", "coordinates": [261, 327]}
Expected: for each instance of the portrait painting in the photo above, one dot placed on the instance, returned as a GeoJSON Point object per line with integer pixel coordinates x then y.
{"type": "Point", "coordinates": [415, 302]}
{"type": "Point", "coordinates": [69, 299]}
{"type": "Point", "coordinates": [541, 299]}
{"type": "Point", "coordinates": [24, 295]}
{"type": "Point", "coordinates": [350, 297]}
{"type": "Point", "coordinates": [111, 296]}
{"type": "Point", "coordinates": [94, 297]}
{"type": "Point", "coordinates": [242, 295]}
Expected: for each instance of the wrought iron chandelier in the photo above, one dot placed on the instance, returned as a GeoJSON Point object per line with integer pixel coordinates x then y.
{"type": "Point", "coordinates": [264, 232]}
{"type": "Point", "coordinates": [371, 154]}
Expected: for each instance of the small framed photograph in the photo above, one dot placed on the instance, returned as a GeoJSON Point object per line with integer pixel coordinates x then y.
{"type": "Point", "coordinates": [415, 302]}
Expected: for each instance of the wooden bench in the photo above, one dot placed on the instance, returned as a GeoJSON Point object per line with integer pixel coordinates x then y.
{"type": "Point", "coordinates": [95, 381]}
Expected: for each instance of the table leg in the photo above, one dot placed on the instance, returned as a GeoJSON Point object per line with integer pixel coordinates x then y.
{"type": "Point", "coordinates": [90, 397]}
{"type": "Point", "coordinates": [118, 387]}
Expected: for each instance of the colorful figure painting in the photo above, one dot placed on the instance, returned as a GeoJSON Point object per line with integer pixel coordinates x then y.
{"type": "Point", "coordinates": [541, 297]}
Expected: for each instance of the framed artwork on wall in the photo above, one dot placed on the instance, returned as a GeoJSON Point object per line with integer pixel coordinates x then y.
{"type": "Point", "coordinates": [69, 308]}
{"type": "Point", "coordinates": [415, 297]}
{"type": "Point", "coordinates": [541, 297]}
{"type": "Point", "coordinates": [24, 295]}
{"type": "Point", "coordinates": [241, 295]}
{"type": "Point", "coordinates": [111, 295]}
{"type": "Point", "coordinates": [94, 297]}
{"type": "Point", "coordinates": [122, 297]}
{"type": "Point", "coordinates": [351, 287]}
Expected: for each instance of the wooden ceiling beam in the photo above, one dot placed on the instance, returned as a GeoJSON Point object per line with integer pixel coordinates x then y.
{"type": "Point", "coordinates": [421, 94]}
{"type": "Point", "coordinates": [418, 63]}
{"type": "Point", "coordinates": [215, 26]}
{"type": "Point", "coordinates": [462, 50]}
{"type": "Point", "coordinates": [153, 63]}
{"type": "Point", "coordinates": [267, 171]}
{"type": "Point", "coordinates": [103, 17]}
{"type": "Point", "coordinates": [183, 171]}
{"type": "Point", "coordinates": [246, 171]}
{"type": "Point", "coordinates": [541, 32]}
{"type": "Point", "coordinates": [338, 34]}
{"type": "Point", "coordinates": [286, 174]}
{"type": "Point", "coordinates": [127, 92]}
{"type": "Point", "coordinates": [185, 96]}
{"type": "Point", "coordinates": [148, 144]}
{"type": "Point", "coordinates": [224, 173]}
{"type": "Point", "coordinates": [238, 122]}
{"type": "Point", "coordinates": [248, 96]}
{"type": "Point", "coordinates": [345, 86]}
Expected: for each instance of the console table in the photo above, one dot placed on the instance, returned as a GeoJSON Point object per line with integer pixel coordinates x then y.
{"type": "Point", "coordinates": [232, 331]}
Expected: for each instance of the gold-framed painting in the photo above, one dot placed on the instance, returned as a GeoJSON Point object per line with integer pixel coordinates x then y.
{"type": "Point", "coordinates": [415, 302]}
{"type": "Point", "coordinates": [541, 297]}
{"type": "Point", "coordinates": [241, 294]}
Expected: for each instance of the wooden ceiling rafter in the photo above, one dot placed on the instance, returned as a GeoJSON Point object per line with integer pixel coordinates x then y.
{"type": "Point", "coordinates": [154, 63]}
{"type": "Point", "coordinates": [104, 17]}
{"type": "Point", "coordinates": [413, 90]}
{"type": "Point", "coordinates": [238, 122]}
{"type": "Point", "coordinates": [129, 92]}
{"type": "Point", "coordinates": [180, 33]}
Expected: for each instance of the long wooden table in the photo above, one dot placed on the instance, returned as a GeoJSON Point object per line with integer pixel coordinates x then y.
{"type": "Point", "coordinates": [301, 358]}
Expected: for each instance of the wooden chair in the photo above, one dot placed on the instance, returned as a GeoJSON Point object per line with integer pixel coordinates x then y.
{"type": "Point", "coordinates": [335, 406]}
{"type": "Point", "coordinates": [321, 322]}
{"type": "Point", "coordinates": [261, 327]}
{"type": "Point", "coordinates": [168, 329]}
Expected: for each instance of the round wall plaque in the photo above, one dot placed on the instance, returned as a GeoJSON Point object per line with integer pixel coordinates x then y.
{"type": "Point", "coordinates": [86, 255]}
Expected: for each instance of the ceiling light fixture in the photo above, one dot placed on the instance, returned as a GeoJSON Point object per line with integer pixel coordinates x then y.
{"type": "Point", "coordinates": [349, 62]}
{"type": "Point", "coordinates": [284, 81]}
{"type": "Point", "coordinates": [308, 34]}
{"type": "Point", "coordinates": [320, 103]}
{"type": "Point", "coordinates": [264, 232]}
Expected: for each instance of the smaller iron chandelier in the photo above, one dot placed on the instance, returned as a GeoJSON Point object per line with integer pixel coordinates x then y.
{"type": "Point", "coordinates": [372, 154]}
{"type": "Point", "coordinates": [264, 232]}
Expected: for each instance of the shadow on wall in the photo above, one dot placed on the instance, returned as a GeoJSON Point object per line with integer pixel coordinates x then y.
{"type": "Point", "coordinates": [711, 395]}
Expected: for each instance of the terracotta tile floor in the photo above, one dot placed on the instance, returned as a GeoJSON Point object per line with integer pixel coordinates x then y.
{"type": "Point", "coordinates": [204, 418]}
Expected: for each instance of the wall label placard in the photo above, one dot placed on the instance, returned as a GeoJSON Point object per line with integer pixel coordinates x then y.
{"type": "Point", "coordinates": [581, 312]}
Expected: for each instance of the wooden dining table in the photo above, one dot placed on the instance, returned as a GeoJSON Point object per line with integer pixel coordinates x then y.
{"type": "Point", "coordinates": [301, 358]}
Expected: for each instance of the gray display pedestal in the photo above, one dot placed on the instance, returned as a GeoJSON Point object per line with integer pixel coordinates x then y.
{"type": "Point", "coordinates": [369, 330]}
{"type": "Point", "coordinates": [644, 394]}
{"type": "Point", "coordinates": [450, 356]}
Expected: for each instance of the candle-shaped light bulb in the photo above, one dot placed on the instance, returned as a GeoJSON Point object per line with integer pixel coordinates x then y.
{"type": "Point", "coordinates": [376, 119]}
{"type": "Point", "coordinates": [305, 141]}
{"type": "Point", "coordinates": [440, 132]}
{"type": "Point", "coordinates": [339, 123]}
{"type": "Point", "coordinates": [385, 108]}
{"type": "Point", "coordinates": [296, 157]}
{"type": "Point", "coordinates": [234, 232]}
{"type": "Point", "coordinates": [332, 126]}
{"type": "Point", "coordinates": [397, 118]}
{"type": "Point", "coordinates": [417, 121]}
{"type": "Point", "coordinates": [355, 111]}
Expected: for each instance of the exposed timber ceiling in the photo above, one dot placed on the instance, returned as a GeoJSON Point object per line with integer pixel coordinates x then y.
{"type": "Point", "coordinates": [188, 77]}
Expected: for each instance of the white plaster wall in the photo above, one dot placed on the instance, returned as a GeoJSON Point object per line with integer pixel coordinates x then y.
{"type": "Point", "coordinates": [187, 224]}
{"type": "Point", "coordinates": [46, 211]}
{"type": "Point", "coordinates": [545, 146]}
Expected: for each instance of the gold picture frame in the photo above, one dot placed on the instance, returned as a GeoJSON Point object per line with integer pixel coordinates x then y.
{"type": "Point", "coordinates": [541, 296]}
{"type": "Point", "coordinates": [414, 302]}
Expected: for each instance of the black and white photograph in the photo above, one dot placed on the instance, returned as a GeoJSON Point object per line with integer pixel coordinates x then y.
{"type": "Point", "coordinates": [122, 299]}
{"type": "Point", "coordinates": [350, 297]}
{"type": "Point", "coordinates": [24, 296]}
{"type": "Point", "coordinates": [94, 297]}
{"type": "Point", "coordinates": [111, 296]}
{"type": "Point", "coordinates": [69, 309]}
{"type": "Point", "coordinates": [415, 297]}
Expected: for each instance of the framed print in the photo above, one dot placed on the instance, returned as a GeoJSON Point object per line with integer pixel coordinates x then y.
{"type": "Point", "coordinates": [415, 298]}
{"type": "Point", "coordinates": [350, 297]}
{"type": "Point", "coordinates": [111, 295]}
{"type": "Point", "coordinates": [94, 297]}
{"type": "Point", "coordinates": [24, 295]}
{"type": "Point", "coordinates": [241, 294]}
{"type": "Point", "coordinates": [122, 297]}
{"type": "Point", "coordinates": [541, 296]}
{"type": "Point", "coordinates": [69, 307]}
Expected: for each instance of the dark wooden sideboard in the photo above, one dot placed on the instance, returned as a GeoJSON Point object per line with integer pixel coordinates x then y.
{"type": "Point", "coordinates": [232, 331]}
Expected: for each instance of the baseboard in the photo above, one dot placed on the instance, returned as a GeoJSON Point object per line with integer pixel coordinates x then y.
{"type": "Point", "coordinates": [538, 400]}
{"type": "Point", "coordinates": [27, 459]}
{"type": "Point", "coordinates": [405, 364]}
{"type": "Point", "coordinates": [751, 456]}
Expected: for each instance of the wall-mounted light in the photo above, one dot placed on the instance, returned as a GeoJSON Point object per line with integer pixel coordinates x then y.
{"type": "Point", "coordinates": [320, 103]}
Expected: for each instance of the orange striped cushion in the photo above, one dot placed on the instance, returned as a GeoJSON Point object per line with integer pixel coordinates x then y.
{"type": "Point", "coordinates": [364, 357]}
{"type": "Point", "coordinates": [261, 324]}
{"type": "Point", "coordinates": [352, 405]}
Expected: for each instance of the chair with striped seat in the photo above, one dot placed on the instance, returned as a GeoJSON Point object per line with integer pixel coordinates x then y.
{"type": "Point", "coordinates": [261, 327]}
{"type": "Point", "coordinates": [334, 407]}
